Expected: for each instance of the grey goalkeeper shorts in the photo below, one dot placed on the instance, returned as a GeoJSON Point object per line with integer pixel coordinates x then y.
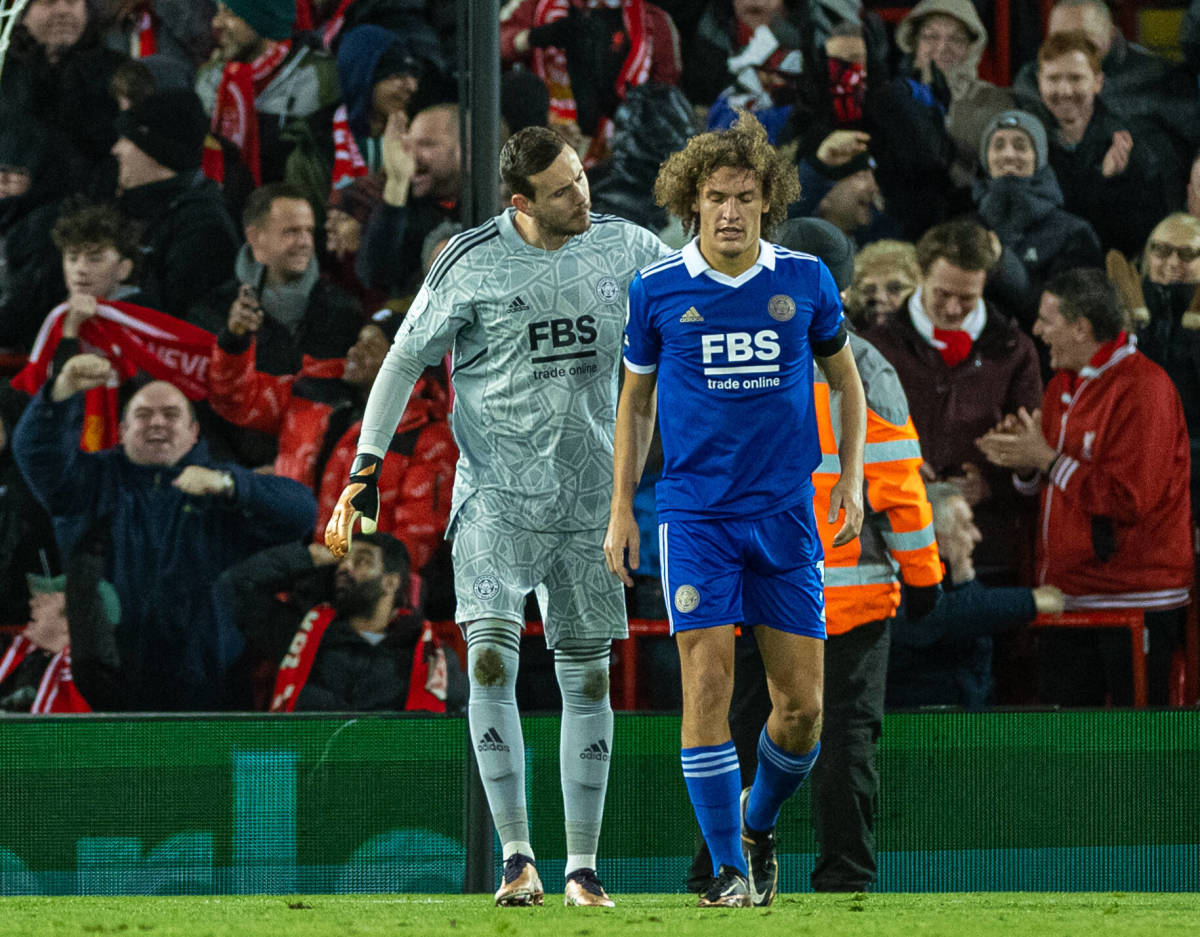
{"type": "Point", "coordinates": [497, 564]}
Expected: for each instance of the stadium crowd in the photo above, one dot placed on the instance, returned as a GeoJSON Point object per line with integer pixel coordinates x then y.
{"type": "Point", "coordinates": [214, 216]}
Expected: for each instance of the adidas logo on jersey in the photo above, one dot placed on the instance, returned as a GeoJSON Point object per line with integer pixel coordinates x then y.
{"type": "Point", "coordinates": [517, 305]}
{"type": "Point", "coordinates": [691, 316]}
{"type": "Point", "coordinates": [491, 742]}
{"type": "Point", "coordinates": [597, 751]}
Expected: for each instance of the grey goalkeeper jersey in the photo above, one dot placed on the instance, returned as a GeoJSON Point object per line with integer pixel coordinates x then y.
{"type": "Point", "coordinates": [537, 339]}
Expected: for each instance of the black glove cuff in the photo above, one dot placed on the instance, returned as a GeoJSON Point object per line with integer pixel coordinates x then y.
{"type": "Point", "coordinates": [365, 469]}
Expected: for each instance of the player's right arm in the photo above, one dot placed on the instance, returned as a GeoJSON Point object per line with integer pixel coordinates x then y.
{"type": "Point", "coordinates": [631, 440]}
{"type": "Point", "coordinates": [631, 445]}
{"type": "Point", "coordinates": [424, 337]}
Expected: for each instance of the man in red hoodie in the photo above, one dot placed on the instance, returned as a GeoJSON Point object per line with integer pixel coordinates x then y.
{"type": "Point", "coordinates": [1109, 452]}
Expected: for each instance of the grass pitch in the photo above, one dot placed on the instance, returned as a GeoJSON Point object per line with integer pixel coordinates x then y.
{"type": "Point", "coordinates": [924, 915]}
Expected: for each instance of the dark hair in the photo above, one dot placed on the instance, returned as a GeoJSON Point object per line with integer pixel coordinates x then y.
{"type": "Point", "coordinates": [962, 243]}
{"type": "Point", "coordinates": [258, 205]}
{"type": "Point", "coordinates": [1057, 45]}
{"type": "Point", "coordinates": [1087, 293]}
{"type": "Point", "coordinates": [526, 153]}
{"type": "Point", "coordinates": [744, 146]}
{"type": "Point", "coordinates": [395, 555]}
{"type": "Point", "coordinates": [99, 224]}
{"type": "Point", "coordinates": [133, 81]}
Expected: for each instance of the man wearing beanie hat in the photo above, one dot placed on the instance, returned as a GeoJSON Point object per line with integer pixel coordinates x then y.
{"type": "Point", "coordinates": [1019, 199]}
{"type": "Point", "coordinates": [188, 241]}
{"type": "Point", "coordinates": [838, 184]}
{"type": "Point", "coordinates": [262, 89]}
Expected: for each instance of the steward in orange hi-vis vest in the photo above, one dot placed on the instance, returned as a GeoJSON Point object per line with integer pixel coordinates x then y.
{"type": "Point", "coordinates": [862, 577]}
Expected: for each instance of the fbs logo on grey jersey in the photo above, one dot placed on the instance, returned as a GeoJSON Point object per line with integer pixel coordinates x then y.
{"type": "Point", "coordinates": [563, 339]}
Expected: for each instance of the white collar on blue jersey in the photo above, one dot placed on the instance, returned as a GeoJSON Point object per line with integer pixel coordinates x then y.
{"type": "Point", "coordinates": [696, 264]}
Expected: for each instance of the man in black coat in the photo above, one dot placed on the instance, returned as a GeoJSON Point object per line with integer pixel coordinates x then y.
{"type": "Point", "coordinates": [350, 642]}
{"type": "Point", "coordinates": [188, 241]}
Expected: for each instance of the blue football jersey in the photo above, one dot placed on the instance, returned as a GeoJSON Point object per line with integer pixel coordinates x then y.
{"type": "Point", "coordinates": [734, 364]}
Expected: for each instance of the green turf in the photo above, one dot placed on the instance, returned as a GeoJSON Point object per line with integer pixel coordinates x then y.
{"type": "Point", "coordinates": [926, 915]}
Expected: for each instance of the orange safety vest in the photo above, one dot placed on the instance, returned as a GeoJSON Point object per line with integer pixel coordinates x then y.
{"type": "Point", "coordinates": [862, 577]}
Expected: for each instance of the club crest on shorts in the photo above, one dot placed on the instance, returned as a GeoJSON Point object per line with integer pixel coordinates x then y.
{"type": "Point", "coordinates": [686, 598]}
{"type": "Point", "coordinates": [486, 586]}
{"type": "Point", "coordinates": [608, 289]}
{"type": "Point", "coordinates": [781, 307]}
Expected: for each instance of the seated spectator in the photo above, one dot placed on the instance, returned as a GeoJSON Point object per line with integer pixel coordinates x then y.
{"type": "Point", "coordinates": [1171, 336]}
{"type": "Point", "coordinates": [948, 37]}
{"type": "Point", "coordinates": [765, 81]}
{"type": "Point", "coordinates": [945, 657]}
{"type": "Point", "coordinates": [1113, 174]}
{"type": "Point", "coordinates": [180, 30]}
{"type": "Point", "coordinates": [885, 274]}
{"type": "Point", "coordinates": [188, 242]}
{"type": "Point", "coordinates": [379, 72]}
{"type": "Point", "coordinates": [272, 97]}
{"type": "Point", "coordinates": [26, 538]}
{"type": "Point", "coordinates": [1138, 84]}
{"type": "Point", "coordinates": [423, 169]}
{"type": "Point", "coordinates": [317, 413]}
{"type": "Point", "coordinates": [35, 664]}
{"type": "Point", "coordinates": [963, 365]}
{"type": "Point", "coordinates": [33, 183]}
{"type": "Point", "coordinates": [351, 643]}
{"type": "Point", "coordinates": [1020, 201]}
{"type": "Point", "coordinates": [170, 521]}
{"type": "Point", "coordinates": [1108, 450]}
{"type": "Point", "coordinates": [56, 72]}
{"type": "Point", "coordinates": [590, 53]}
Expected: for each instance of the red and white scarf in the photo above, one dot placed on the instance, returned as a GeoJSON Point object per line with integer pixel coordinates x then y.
{"type": "Point", "coordinates": [56, 692]}
{"type": "Point", "coordinates": [348, 162]}
{"type": "Point", "coordinates": [306, 20]}
{"type": "Point", "coordinates": [144, 40]}
{"type": "Point", "coordinates": [234, 116]}
{"type": "Point", "coordinates": [133, 338]}
{"type": "Point", "coordinates": [426, 686]}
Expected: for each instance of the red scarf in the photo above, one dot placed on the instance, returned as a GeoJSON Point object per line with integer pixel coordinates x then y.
{"type": "Point", "coordinates": [307, 20]}
{"type": "Point", "coordinates": [134, 339]}
{"type": "Point", "coordinates": [56, 692]}
{"type": "Point", "coordinates": [956, 345]}
{"type": "Point", "coordinates": [348, 162]}
{"type": "Point", "coordinates": [298, 663]}
{"type": "Point", "coordinates": [234, 116]}
{"type": "Point", "coordinates": [848, 90]}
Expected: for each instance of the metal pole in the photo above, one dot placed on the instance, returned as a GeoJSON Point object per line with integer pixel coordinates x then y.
{"type": "Point", "coordinates": [479, 90]}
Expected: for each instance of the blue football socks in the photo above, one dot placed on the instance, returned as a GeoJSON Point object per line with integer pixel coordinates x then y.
{"type": "Point", "coordinates": [714, 783]}
{"type": "Point", "coordinates": [778, 777]}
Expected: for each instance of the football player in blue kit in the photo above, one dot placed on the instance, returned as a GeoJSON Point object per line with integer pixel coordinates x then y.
{"type": "Point", "coordinates": [726, 330]}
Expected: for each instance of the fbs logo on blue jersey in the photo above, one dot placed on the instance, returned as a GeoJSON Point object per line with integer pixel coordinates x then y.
{"type": "Point", "coordinates": [740, 360]}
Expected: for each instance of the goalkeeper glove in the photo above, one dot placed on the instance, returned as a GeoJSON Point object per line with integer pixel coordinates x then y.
{"type": "Point", "coordinates": [362, 494]}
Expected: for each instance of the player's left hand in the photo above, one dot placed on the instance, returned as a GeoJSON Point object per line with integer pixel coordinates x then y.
{"type": "Point", "coordinates": [846, 496]}
{"type": "Point", "coordinates": [622, 542]}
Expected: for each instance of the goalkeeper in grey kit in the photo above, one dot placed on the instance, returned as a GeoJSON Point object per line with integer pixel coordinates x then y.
{"type": "Point", "coordinates": [533, 304]}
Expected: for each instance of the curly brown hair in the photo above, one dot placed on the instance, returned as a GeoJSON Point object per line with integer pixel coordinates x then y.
{"type": "Point", "coordinates": [742, 146]}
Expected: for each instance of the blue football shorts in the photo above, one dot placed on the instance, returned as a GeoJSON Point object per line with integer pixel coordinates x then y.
{"type": "Point", "coordinates": [764, 571]}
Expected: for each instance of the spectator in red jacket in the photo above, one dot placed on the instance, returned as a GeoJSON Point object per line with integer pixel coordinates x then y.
{"type": "Point", "coordinates": [317, 413]}
{"type": "Point", "coordinates": [1109, 452]}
